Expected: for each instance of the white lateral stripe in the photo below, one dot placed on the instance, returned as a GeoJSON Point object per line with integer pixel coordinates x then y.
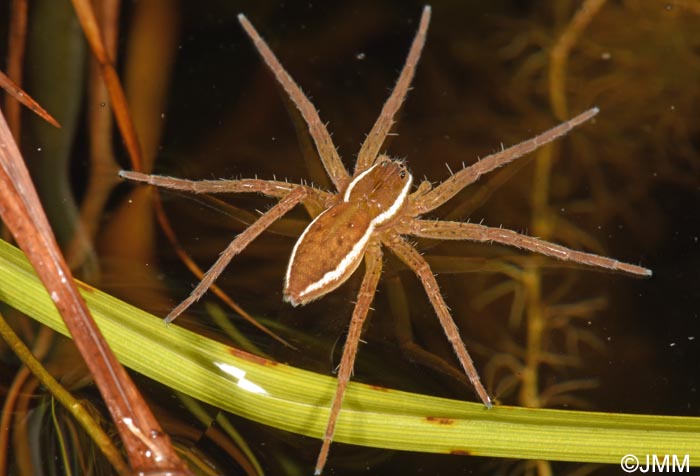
{"type": "Point", "coordinates": [393, 210]}
{"type": "Point", "coordinates": [296, 246]}
{"type": "Point", "coordinates": [346, 197]}
{"type": "Point", "coordinates": [344, 264]}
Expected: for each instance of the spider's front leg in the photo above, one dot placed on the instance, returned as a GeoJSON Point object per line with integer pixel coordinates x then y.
{"type": "Point", "coordinates": [453, 185]}
{"type": "Point", "coordinates": [322, 138]}
{"type": "Point", "coordinates": [369, 152]}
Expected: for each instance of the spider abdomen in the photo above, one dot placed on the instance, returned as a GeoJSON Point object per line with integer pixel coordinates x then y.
{"type": "Point", "coordinates": [327, 252]}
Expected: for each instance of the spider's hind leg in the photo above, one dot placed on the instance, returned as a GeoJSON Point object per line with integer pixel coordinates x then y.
{"type": "Point", "coordinates": [412, 351]}
{"type": "Point", "coordinates": [415, 261]}
{"type": "Point", "coordinates": [373, 270]}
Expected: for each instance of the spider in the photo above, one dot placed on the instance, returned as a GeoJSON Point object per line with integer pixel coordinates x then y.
{"type": "Point", "coordinates": [375, 207]}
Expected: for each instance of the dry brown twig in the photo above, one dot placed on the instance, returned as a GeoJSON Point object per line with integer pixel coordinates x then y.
{"type": "Point", "coordinates": [16, 92]}
{"type": "Point", "coordinates": [148, 447]}
{"type": "Point", "coordinates": [16, 46]}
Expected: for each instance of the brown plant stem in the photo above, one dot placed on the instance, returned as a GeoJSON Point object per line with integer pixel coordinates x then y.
{"type": "Point", "coordinates": [88, 22]}
{"type": "Point", "coordinates": [559, 55]}
{"type": "Point", "coordinates": [16, 46]}
{"type": "Point", "coordinates": [16, 92]}
{"type": "Point", "coordinates": [149, 449]}
{"type": "Point", "coordinates": [41, 346]}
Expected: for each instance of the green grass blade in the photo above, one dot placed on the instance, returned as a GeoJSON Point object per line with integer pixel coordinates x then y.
{"type": "Point", "coordinates": [296, 400]}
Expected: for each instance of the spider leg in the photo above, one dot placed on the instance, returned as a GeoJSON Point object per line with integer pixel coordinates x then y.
{"type": "Point", "coordinates": [448, 230]}
{"type": "Point", "coordinates": [271, 188]}
{"type": "Point", "coordinates": [370, 148]}
{"type": "Point", "coordinates": [401, 315]}
{"type": "Point", "coordinates": [315, 202]}
{"type": "Point", "coordinates": [373, 269]}
{"type": "Point", "coordinates": [413, 259]}
{"type": "Point", "coordinates": [324, 144]}
{"type": "Point", "coordinates": [238, 244]}
{"type": "Point", "coordinates": [450, 187]}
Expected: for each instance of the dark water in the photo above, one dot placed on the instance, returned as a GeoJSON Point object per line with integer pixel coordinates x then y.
{"type": "Point", "coordinates": [626, 186]}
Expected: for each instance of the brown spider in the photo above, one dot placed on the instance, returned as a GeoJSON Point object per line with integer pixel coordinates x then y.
{"type": "Point", "coordinates": [374, 206]}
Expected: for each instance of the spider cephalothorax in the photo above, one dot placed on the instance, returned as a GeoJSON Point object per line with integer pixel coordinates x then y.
{"type": "Point", "coordinates": [373, 207]}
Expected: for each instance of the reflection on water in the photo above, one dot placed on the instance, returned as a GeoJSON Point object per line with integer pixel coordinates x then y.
{"type": "Point", "coordinates": [239, 374]}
